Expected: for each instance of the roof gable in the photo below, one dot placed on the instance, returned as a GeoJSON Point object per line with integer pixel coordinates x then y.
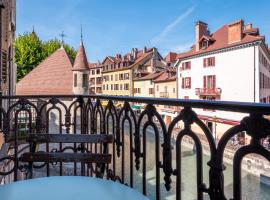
{"type": "Point", "coordinates": [52, 76]}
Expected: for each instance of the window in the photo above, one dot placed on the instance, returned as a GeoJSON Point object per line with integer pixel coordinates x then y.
{"type": "Point", "coordinates": [204, 44]}
{"type": "Point", "coordinates": [93, 72]}
{"type": "Point", "coordinates": [166, 89]}
{"type": "Point", "coordinates": [116, 87]}
{"type": "Point", "coordinates": [107, 87]}
{"type": "Point", "coordinates": [111, 86]}
{"type": "Point", "coordinates": [75, 80]}
{"type": "Point", "coordinates": [126, 86]}
{"type": "Point", "coordinates": [173, 90]}
{"type": "Point", "coordinates": [157, 88]}
{"type": "Point", "coordinates": [4, 65]}
{"type": "Point", "coordinates": [186, 83]}
{"type": "Point", "coordinates": [121, 87]}
{"type": "Point", "coordinates": [151, 90]}
{"type": "Point", "coordinates": [137, 90]}
{"type": "Point", "coordinates": [92, 81]}
{"type": "Point", "coordinates": [209, 82]}
{"type": "Point", "coordinates": [103, 87]}
{"type": "Point", "coordinates": [126, 76]}
{"type": "Point", "coordinates": [121, 76]}
{"type": "Point", "coordinates": [116, 77]}
{"type": "Point", "coordinates": [98, 71]}
{"type": "Point", "coordinates": [209, 62]}
{"type": "Point", "coordinates": [111, 77]}
{"type": "Point", "coordinates": [186, 65]}
{"type": "Point", "coordinates": [85, 80]}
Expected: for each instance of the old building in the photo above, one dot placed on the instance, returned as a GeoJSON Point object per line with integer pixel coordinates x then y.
{"type": "Point", "coordinates": [119, 72]}
{"type": "Point", "coordinates": [80, 72]}
{"type": "Point", "coordinates": [7, 35]}
{"type": "Point", "coordinates": [231, 64]}
{"type": "Point", "coordinates": [56, 75]}
{"type": "Point", "coordinates": [95, 78]}
{"type": "Point", "coordinates": [166, 87]}
{"type": "Point", "coordinates": [144, 86]}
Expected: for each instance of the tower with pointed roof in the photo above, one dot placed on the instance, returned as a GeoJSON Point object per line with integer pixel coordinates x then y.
{"type": "Point", "coordinates": [80, 72]}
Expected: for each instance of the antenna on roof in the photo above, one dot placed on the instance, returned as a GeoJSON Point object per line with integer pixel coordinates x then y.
{"type": "Point", "coordinates": [81, 34]}
{"type": "Point", "coordinates": [62, 35]}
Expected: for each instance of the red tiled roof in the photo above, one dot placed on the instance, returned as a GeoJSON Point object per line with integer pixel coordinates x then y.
{"type": "Point", "coordinates": [81, 62]}
{"type": "Point", "coordinates": [220, 38]}
{"type": "Point", "coordinates": [52, 76]}
{"type": "Point", "coordinates": [93, 65]}
{"type": "Point", "coordinates": [166, 76]}
{"type": "Point", "coordinates": [149, 76]}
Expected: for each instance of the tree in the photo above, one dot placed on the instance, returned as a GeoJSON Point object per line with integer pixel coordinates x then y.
{"type": "Point", "coordinates": [51, 46]}
{"type": "Point", "coordinates": [31, 51]}
{"type": "Point", "coordinates": [28, 53]}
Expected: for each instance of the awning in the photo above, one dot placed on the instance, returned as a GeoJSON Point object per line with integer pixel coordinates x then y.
{"type": "Point", "coordinates": [136, 107]}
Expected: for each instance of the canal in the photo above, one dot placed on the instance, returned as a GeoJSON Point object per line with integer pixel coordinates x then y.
{"type": "Point", "coordinates": [252, 189]}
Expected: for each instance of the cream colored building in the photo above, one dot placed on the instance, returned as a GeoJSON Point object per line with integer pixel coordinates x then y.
{"type": "Point", "coordinates": [95, 78]}
{"type": "Point", "coordinates": [119, 72]}
{"type": "Point", "coordinates": [144, 86]}
{"type": "Point", "coordinates": [165, 87]}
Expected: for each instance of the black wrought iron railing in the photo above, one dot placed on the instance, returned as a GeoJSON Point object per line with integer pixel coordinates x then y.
{"type": "Point", "coordinates": [147, 154]}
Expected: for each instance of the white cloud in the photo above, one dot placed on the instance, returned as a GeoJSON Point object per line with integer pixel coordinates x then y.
{"type": "Point", "coordinates": [171, 26]}
{"type": "Point", "coordinates": [182, 47]}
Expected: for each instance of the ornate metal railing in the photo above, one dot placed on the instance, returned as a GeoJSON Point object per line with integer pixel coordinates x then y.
{"type": "Point", "coordinates": [131, 155]}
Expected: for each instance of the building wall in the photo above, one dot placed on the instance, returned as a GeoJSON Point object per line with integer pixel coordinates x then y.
{"type": "Point", "coordinates": [263, 60]}
{"type": "Point", "coordinates": [112, 85]}
{"type": "Point", "coordinates": [144, 87]}
{"type": "Point", "coordinates": [8, 23]}
{"type": "Point", "coordinates": [166, 90]}
{"type": "Point", "coordinates": [234, 71]}
{"type": "Point", "coordinates": [79, 88]}
{"type": "Point", "coordinates": [95, 86]}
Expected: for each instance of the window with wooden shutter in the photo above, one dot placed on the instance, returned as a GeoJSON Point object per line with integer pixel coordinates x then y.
{"type": "Point", "coordinates": [204, 81]}
{"type": "Point", "coordinates": [204, 62]}
{"type": "Point", "coordinates": [214, 81]}
{"type": "Point", "coordinates": [182, 82]}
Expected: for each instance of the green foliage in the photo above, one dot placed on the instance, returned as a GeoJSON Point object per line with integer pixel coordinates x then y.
{"type": "Point", "coordinates": [51, 46]}
{"type": "Point", "coordinates": [31, 51]}
{"type": "Point", "coordinates": [28, 53]}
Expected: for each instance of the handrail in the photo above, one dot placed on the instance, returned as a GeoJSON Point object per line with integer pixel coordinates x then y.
{"type": "Point", "coordinates": [233, 106]}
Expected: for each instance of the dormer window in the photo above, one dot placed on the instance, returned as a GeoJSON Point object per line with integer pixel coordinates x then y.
{"type": "Point", "coordinates": [204, 44]}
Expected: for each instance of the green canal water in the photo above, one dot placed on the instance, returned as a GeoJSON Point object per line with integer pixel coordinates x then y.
{"type": "Point", "coordinates": [252, 189]}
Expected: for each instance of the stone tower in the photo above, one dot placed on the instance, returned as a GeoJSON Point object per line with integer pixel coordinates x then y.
{"type": "Point", "coordinates": [81, 72]}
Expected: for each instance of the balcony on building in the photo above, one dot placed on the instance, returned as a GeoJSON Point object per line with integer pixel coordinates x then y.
{"type": "Point", "coordinates": [215, 92]}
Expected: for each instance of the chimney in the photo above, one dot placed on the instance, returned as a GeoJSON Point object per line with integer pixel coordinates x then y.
{"type": "Point", "coordinates": [201, 29]}
{"type": "Point", "coordinates": [135, 53]}
{"type": "Point", "coordinates": [248, 26]}
{"type": "Point", "coordinates": [145, 49]}
{"type": "Point", "coordinates": [118, 56]}
{"type": "Point", "coordinates": [235, 31]}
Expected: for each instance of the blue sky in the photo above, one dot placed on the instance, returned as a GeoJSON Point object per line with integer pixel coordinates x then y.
{"type": "Point", "coordinates": [116, 26]}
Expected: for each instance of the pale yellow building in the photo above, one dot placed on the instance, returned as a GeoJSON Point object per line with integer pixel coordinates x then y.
{"type": "Point", "coordinates": [95, 78]}
{"type": "Point", "coordinates": [166, 87]}
{"type": "Point", "coordinates": [144, 86]}
{"type": "Point", "coordinates": [119, 72]}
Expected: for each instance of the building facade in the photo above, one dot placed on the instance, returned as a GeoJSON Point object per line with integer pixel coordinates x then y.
{"type": "Point", "coordinates": [119, 72]}
{"type": "Point", "coordinates": [166, 87]}
{"type": "Point", "coordinates": [95, 78]}
{"type": "Point", "coordinates": [7, 35]}
{"type": "Point", "coordinates": [231, 64]}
